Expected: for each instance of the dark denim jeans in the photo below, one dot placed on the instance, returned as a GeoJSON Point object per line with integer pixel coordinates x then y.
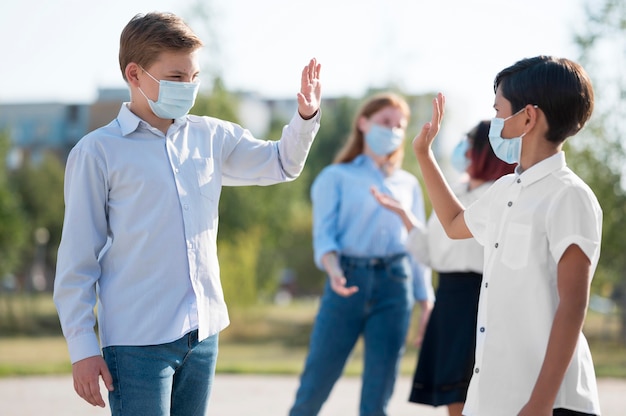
{"type": "Point", "coordinates": [380, 311]}
{"type": "Point", "coordinates": [172, 379]}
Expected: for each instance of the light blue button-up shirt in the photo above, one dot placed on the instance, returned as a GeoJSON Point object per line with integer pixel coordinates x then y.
{"type": "Point", "coordinates": [140, 226]}
{"type": "Point", "coordinates": [348, 220]}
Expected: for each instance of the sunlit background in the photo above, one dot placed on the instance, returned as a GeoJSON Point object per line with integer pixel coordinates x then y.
{"type": "Point", "coordinates": [65, 50]}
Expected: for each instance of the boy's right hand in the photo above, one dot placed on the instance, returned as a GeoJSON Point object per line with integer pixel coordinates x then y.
{"type": "Point", "coordinates": [425, 138]}
{"type": "Point", "coordinates": [87, 374]}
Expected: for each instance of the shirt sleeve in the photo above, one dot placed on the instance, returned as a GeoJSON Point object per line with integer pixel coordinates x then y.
{"type": "Point", "coordinates": [417, 244]}
{"type": "Point", "coordinates": [251, 161]}
{"type": "Point", "coordinates": [422, 274]}
{"type": "Point", "coordinates": [422, 282]}
{"type": "Point", "coordinates": [84, 236]}
{"type": "Point", "coordinates": [575, 217]}
{"type": "Point", "coordinates": [326, 199]}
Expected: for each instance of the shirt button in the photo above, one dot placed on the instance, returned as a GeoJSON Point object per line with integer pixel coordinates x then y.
{"type": "Point", "coordinates": [482, 329]}
{"type": "Point", "coordinates": [486, 284]}
{"type": "Point", "coordinates": [510, 203]}
{"type": "Point", "coordinates": [476, 370]}
{"type": "Point", "coordinates": [189, 245]}
{"type": "Point", "coordinates": [496, 245]}
{"type": "Point", "coordinates": [519, 180]}
{"type": "Point", "coordinates": [186, 207]}
{"type": "Point", "coordinates": [176, 170]}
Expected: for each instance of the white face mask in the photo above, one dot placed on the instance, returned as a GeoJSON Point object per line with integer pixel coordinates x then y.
{"type": "Point", "coordinates": [507, 150]}
{"type": "Point", "coordinates": [175, 98]}
{"type": "Point", "coordinates": [383, 140]}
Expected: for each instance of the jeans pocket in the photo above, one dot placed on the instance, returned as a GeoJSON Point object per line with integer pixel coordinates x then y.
{"type": "Point", "coordinates": [399, 271]}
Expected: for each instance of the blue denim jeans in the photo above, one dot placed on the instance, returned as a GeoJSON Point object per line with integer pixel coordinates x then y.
{"type": "Point", "coordinates": [172, 379]}
{"type": "Point", "coordinates": [380, 311]}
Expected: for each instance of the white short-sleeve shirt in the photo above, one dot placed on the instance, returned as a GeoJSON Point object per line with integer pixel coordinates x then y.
{"type": "Point", "coordinates": [431, 246]}
{"type": "Point", "coordinates": [525, 222]}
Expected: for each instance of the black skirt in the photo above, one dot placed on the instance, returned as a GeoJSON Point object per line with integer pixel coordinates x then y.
{"type": "Point", "coordinates": [446, 358]}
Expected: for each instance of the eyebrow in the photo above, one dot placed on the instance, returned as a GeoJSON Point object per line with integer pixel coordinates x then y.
{"type": "Point", "coordinates": [178, 72]}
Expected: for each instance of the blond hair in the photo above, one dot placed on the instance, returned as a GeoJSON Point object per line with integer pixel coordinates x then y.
{"type": "Point", "coordinates": [146, 36]}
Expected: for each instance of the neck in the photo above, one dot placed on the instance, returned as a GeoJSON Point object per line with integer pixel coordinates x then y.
{"type": "Point", "coordinates": [534, 151]}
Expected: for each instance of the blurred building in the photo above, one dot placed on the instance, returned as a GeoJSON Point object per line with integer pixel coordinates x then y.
{"type": "Point", "coordinates": [37, 127]}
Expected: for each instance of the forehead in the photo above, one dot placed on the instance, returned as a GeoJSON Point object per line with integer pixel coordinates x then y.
{"type": "Point", "coordinates": [500, 103]}
{"type": "Point", "coordinates": [389, 113]}
{"type": "Point", "coordinates": [184, 62]}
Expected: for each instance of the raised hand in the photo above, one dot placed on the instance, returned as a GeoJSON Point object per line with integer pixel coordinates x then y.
{"type": "Point", "coordinates": [310, 94]}
{"type": "Point", "coordinates": [423, 141]}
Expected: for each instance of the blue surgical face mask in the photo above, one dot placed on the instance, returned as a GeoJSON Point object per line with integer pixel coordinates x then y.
{"type": "Point", "coordinates": [507, 150]}
{"type": "Point", "coordinates": [383, 140]}
{"type": "Point", "coordinates": [175, 98]}
{"type": "Point", "coordinates": [459, 160]}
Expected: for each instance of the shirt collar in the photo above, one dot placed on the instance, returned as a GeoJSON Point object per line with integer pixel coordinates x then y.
{"type": "Point", "coordinates": [541, 169]}
{"type": "Point", "coordinates": [363, 160]}
{"type": "Point", "coordinates": [129, 122]}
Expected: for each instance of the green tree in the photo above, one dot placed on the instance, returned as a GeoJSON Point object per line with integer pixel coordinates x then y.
{"type": "Point", "coordinates": [598, 155]}
{"type": "Point", "coordinates": [40, 188]}
{"type": "Point", "coordinates": [254, 220]}
{"type": "Point", "coordinates": [13, 224]}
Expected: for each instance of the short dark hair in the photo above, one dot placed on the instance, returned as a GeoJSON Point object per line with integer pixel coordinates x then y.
{"type": "Point", "coordinates": [147, 35]}
{"type": "Point", "coordinates": [558, 86]}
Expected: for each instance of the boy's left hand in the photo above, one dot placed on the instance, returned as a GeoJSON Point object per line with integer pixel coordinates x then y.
{"type": "Point", "coordinates": [310, 93]}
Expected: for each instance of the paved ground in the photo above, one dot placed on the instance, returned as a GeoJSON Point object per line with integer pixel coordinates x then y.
{"type": "Point", "coordinates": [239, 395]}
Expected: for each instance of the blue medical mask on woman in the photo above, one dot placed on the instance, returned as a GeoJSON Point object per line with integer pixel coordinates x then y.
{"type": "Point", "coordinates": [175, 98]}
{"type": "Point", "coordinates": [383, 140]}
{"type": "Point", "coordinates": [459, 160]}
{"type": "Point", "coordinates": [507, 150]}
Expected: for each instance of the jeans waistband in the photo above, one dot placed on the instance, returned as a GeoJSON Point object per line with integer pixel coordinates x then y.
{"type": "Point", "coordinates": [370, 262]}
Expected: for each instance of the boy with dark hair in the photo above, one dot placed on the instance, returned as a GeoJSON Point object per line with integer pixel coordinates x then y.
{"type": "Point", "coordinates": [541, 229]}
{"type": "Point", "coordinates": [140, 229]}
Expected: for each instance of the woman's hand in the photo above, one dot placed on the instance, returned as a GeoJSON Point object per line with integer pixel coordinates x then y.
{"type": "Point", "coordinates": [338, 284]}
{"type": "Point", "coordinates": [330, 261]}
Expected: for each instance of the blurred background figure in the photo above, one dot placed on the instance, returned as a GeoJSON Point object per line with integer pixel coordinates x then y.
{"type": "Point", "coordinates": [362, 248]}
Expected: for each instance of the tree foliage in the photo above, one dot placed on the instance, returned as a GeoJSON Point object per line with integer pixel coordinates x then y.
{"type": "Point", "coordinates": [598, 155]}
{"type": "Point", "coordinates": [13, 236]}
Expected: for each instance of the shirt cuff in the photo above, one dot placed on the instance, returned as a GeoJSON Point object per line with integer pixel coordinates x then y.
{"type": "Point", "coordinates": [83, 346]}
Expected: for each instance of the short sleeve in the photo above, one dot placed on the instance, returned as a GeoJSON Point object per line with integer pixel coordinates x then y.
{"type": "Point", "coordinates": [476, 216]}
{"type": "Point", "coordinates": [575, 217]}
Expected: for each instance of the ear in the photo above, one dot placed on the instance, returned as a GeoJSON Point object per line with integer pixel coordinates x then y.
{"type": "Point", "coordinates": [132, 74]}
{"type": "Point", "coordinates": [532, 115]}
{"type": "Point", "coordinates": [363, 124]}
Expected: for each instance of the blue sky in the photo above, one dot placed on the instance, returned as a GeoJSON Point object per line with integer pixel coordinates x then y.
{"type": "Point", "coordinates": [64, 50]}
